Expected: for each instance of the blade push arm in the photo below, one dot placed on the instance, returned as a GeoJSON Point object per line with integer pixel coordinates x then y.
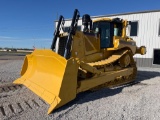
{"type": "Point", "coordinates": [57, 31]}
{"type": "Point", "coordinates": [71, 32]}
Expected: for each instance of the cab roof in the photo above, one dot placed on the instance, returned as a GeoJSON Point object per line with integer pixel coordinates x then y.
{"type": "Point", "coordinates": [102, 19]}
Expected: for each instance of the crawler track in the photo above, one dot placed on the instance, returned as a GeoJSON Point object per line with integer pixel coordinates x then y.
{"type": "Point", "coordinates": [110, 60]}
{"type": "Point", "coordinates": [121, 80]}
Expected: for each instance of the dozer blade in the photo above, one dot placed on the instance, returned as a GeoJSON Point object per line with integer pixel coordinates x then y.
{"type": "Point", "coordinates": [50, 76]}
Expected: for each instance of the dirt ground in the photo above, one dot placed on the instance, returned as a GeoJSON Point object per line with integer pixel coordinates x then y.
{"type": "Point", "coordinates": [137, 101]}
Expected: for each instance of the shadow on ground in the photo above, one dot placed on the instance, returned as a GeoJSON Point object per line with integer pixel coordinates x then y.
{"type": "Point", "coordinates": [105, 92]}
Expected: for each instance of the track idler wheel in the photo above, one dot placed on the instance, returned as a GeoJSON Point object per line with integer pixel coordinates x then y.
{"type": "Point", "coordinates": [125, 60]}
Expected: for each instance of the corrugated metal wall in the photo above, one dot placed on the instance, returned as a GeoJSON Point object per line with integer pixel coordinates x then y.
{"type": "Point", "coordinates": [148, 28]}
{"type": "Point", "coordinates": [147, 31]}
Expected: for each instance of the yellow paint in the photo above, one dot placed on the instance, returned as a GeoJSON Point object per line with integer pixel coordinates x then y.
{"type": "Point", "coordinates": [54, 79]}
{"type": "Point", "coordinates": [50, 76]}
{"type": "Point", "coordinates": [102, 19]}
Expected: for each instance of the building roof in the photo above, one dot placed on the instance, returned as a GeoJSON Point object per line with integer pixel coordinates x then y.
{"type": "Point", "coordinates": [127, 13]}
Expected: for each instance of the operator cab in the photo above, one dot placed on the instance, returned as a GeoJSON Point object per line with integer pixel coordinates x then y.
{"type": "Point", "coordinates": [107, 29]}
{"type": "Point", "coordinates": [104, 27]}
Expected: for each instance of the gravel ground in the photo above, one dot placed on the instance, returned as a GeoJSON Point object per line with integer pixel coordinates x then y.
{"type": "Point", "coordinates": [138, 101]}
{"type": "Point", "coordinates": [10, 70]}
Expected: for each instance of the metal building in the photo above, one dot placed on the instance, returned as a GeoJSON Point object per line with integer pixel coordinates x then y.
{"type": "Point", "coordinates": [145, 30]}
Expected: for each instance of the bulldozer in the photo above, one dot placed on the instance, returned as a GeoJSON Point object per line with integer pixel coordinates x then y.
{"type": "Point", "coordinates": [100, 55]}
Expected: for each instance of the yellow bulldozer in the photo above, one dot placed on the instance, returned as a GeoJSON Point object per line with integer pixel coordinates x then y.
{"type": "Point", "coordinates": [101, 55]}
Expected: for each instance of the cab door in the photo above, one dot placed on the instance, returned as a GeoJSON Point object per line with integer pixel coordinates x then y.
{"type": "Point", "coordinates": [106, 34]}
